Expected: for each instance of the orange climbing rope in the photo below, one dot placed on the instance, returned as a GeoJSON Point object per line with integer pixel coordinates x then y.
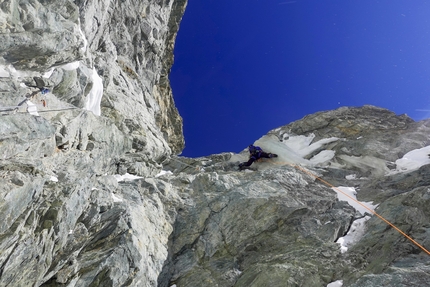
{"type": "Point", "coordinates": [372, 211]}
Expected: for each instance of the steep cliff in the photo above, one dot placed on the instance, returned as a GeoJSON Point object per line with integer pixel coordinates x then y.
{"type": "Point", "coordinates": [92, 194]}
{"type": "Point", "coordinates": [278, 225]}
{"type": "Point", "coordinates": [66, 219]}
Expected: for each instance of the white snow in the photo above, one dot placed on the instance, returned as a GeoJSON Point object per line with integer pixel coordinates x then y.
{"type": "Point", "coordinates": [84, 48]}
{"type": "Point", "coordinates": [413, 160]}
{"type": "Point", "coordinates": [164, 172]}
{"type": "Point", "coordinates": [19, 74]}
{"type": "Point", "coordinates": [116, 198]}
{"type": "Point", "coordinates": [3, 72]}
{"type": "Point", "coordinates": [351, 177]}
{"type": "Point", "coordinates": [126, 177]}
{"type": "Point", "coordinates": [376, 165]}
{"type": "Point", "coordinates": [68, 67]}
{"type": "Point", "coordinates": [352, 199]}
{"type": "Point", "coordinates": [357, 228]}
{"type": "Point", "coordinates": [94, 97]}
{"type": "Point", "coordinates": [303, 145]}
{"type": "Point", "coordinates": [338, 283]}
{"type": "Point", "coordinates": [322, 157]}
{"type": "Point", "coordinates": [32, 109]}
{"type": "Point", "coordinates": [48, 73]}
{"type": "Point", "coordinates": [71, 66]}
{"type": "Point", "coordinates": [53, 178]}
{"type": "Point", "coordinates": [354, 234]}
{"type": "Point", "coordinates": [293, 149]}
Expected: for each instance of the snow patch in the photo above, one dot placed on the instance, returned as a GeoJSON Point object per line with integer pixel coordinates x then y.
{"type": "Point", "coordinates": [338, 283]}
{"type": "Point", "coordinates": [84, 48]}
{"type": "Point", "coordinates": [303, 145]}
{"type": "Point", "coordinates": [71, 66]}
{"type": "Point", "coordinates": [53, 178]}
{"type": "Point", "coordinates": [20, 74]}
{"type": "Point", "coordinates": [323, 157]}
{"type": "Point", "coordinates": [359, 206]}
{"type": "Point", "coordinates": [285, 154]}
{"type": "Point", "coordinates": [354, 234]}
{"type": "Point", "coordinates": [413, 160]}
{"type": "Point", "coordinates": [3, 72]}
{"type": "Point", "coordinates": [116, 198]}
{"type": "Point", "coordinates": [126, 177]}
{"type": "Point", "coordinates": [94, 97]}
{"type": "Point", "coordinates": [377, 165]}
{"type": "Point", "coordinates": [293, 149]}
{"type": "Point", "coordinates": [164, 172]}
{"type": "Point", "coordinates": [31, 108]}
{"type": "Point", "coordinates": [351, 177]}
{"type": "Point", "coordinates": [48, 73]}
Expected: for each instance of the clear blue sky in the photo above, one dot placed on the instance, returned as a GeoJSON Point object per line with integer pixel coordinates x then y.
{"type": "Point", "coordinates": [245, 67]}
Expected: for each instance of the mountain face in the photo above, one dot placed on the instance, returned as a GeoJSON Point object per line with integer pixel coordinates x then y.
{"type": "Point", "coordinates": [93, 194]}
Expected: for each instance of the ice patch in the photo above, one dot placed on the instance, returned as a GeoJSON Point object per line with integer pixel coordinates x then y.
{"type": "Point", "coordinates": [323, 157]}
{"type": "Point", "coordinates": [293, 149]}
{"type": "Point", "coordinates": [350, 191]}
{"type": "Point", "coordinates": [303, 145]}
{"type": "Point", "coordinates": [354, 234]}
{"type": "Point", "coordinates": [377, 165]}
{"type": "Point", "coordinates": [94, 97]}
{"type": "Point", "coordinates": [285, 153]}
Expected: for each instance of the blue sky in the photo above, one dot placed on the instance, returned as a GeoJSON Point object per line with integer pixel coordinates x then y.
{"type": "Point", "coordinates": [243, 68]}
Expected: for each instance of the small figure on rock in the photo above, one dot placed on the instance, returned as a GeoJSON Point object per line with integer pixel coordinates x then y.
{"type": "Point", "coordinates": [255, 153]}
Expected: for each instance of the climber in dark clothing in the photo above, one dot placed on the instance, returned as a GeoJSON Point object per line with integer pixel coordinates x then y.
{"type": "Point", "coordinates": [256, 153]}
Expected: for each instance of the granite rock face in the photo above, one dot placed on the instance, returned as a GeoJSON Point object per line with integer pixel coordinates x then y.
{"type": "Point", "coordinates": [277, 225]}
{"type": "Point", "coordinates": [93, 194]}
{"type": "Point", "coordinates": [67, 220]}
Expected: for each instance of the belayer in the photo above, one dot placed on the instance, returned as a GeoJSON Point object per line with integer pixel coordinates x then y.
{"type": "Point", "coordinates": [255, 153]}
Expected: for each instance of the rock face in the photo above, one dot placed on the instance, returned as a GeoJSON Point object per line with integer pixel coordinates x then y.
{"type": "Point", "coordinates": [66, 220]}
{"type": "Point", "coordinates": [83, 201]}
{"type": "Point", "coordinates": [277, 226]}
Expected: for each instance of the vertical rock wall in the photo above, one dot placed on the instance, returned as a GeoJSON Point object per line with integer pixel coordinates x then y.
{"type": "Point", "coordinates": [66, 217]}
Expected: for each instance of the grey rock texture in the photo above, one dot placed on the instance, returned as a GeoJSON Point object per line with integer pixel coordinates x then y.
{"type": "Point", "coordinates": [83, 202]}
{"type": "Point", "coordinates": [277, 226]}
{"type": "Point", "coordinates": [66, 220]}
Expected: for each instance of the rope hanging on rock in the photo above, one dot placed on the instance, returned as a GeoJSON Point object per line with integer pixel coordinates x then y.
{"type": "Point", "coordinates": [13, 111]}
{"type": "Point", "coordinates": [372, 211]}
